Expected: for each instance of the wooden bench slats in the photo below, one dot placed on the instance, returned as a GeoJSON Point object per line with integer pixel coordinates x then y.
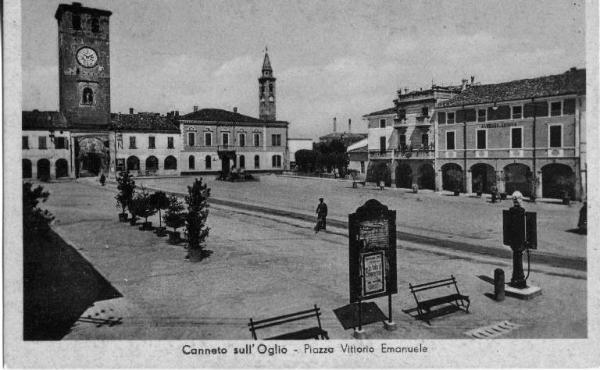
{"type": "Point", "coordinates": [315, 332]}
{"type": "Point", "coordinates": [440, 300]}
{"type": "Point", "coordinates": [275, 323]}
{"type": "Point", "coordinates": [452, 279]}
{"type": "Point", "coordinates": [311, 311]}
{"type": "Point", "coordinates": [456, 300]}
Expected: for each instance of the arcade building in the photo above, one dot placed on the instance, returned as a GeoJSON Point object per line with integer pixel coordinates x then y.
{"type": "Point", "coordinates": [526, 135]}
{"type": "Point", "coordinates": [85, 139]}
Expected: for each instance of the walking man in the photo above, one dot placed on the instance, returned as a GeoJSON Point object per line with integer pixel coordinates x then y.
{"type": "Point", "coordinates": [321, 216]}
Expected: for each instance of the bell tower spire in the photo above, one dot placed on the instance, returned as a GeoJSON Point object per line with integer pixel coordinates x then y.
{"type": "Point", "coordinates": [266, 93]}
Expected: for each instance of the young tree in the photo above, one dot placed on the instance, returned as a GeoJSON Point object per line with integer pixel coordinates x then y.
{"type": "Point", "coordinates": [197, 202]}
{"type": "Point", "coordinates": [160, 201]}
{"type": "Point", "coordinates": [175, 216]}
{"type": "Point", "coordinates": [126, 187]}
{"type": "Point", "coordinates": [144, 207]}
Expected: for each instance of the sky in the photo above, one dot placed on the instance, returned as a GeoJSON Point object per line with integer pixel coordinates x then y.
{"type": "Point", "coordinates": [331, 58]}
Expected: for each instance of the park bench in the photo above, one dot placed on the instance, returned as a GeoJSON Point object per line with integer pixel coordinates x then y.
{"type": "Point", "coordinates": [456, 300]}
{"type": "Point", "coordinates": [314, 332]}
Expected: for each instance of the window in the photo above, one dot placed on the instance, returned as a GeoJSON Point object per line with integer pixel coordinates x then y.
{"type": "Point", "coordinates": [450, 117]}
{"type": "Point", "coordinates": [225, 139]}
{"type": "Point", "coordinates": [256, 161]}
{"type": "Point", "coordinates": [362, 166]}
{"type": "Point", "coordinates": [170, 142]}
{"type": "Point", "coordinates": [76, 22]}
{"type": "Point", "coordinates": [382, 144]}
{"type": "Point", "coordinates": [25, 142]}
{"type": "Point", "coordinates": [276, 161]}
{"type": "Point", "coordinates": [382, 123]}
{"type": "Point", "coordinates": [481, 115]}
{"type": "Point", "coordinates": [88, 96]}
{"type": "Point", "coordinates": [425, 139]}
{"type": "Point", "coordinates": [538, 109]}
{"type": "Point", "coordinates": [555, 136]}
{"type": "Point", "coordinates": [42, 142]}
{"type": "Point", "coordinates": [191, 162]}
{"type": "Point", "coordinates": [569, 106]}
{"type": "Point", "coordinates": [242, 161]}
{"type": "Point", "coordinates": [191, 139]}
{"type": "Point", "coordinates": [517, 112]}
{"type": "Point", "coordinates": [95, 25]}
{"type": "Point", "coordinates": [61, 143]}
{"type": "Point", "coordinates": [556, 108]}
{"type": "Point", "coordinates": [450, 145]}
{"type": "Point", "coordinates": [207, 139]}
{"type": "Point", "coordinates": [208, 162]}
{"type": "Point", "coordinates": [402, 141]}
{"type": "Point", "coordinates": [151, 142]}
{"type": "Point", "coordinates": [256, 139]}
{"type": "Point", "coordinates": [516, 137]}
{"type": "Point", "coordinates": [132, 142]}
{"type": "Point", "coordinates": [276, 139]}
{"type": "Point", "coordinates": [170, 163]}
{"type": "Point", "coordinates": [242, 138]}
{"type": "Point", "coordinates": [481, 139]}
{"type": "Point", "coordinates": [425, 111]}
{"type": "Point", "coordinates": [442, 117]}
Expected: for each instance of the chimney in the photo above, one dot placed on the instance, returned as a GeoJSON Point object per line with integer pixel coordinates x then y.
{"type": "Point", "coordinates": [406, 90]}
{"type": "Point", "coordinates": [176, 113]}
{"type": "Point", "coordinates": [130, 110]}
{"type": "Point", "coordinates": [472, 80]}
{"type": "Point", "coordinates": [349, 125]}
{"type": "Point", "coordinates": [234, 109]}
{"type": "Point", "coordinates": [334, 124]}
{"type": "Point", "coordinates": [195, 108]}
{"type": "Point", "coordinates": [464, 84]}
{"type": "Point", "coordinates": [400, 92]}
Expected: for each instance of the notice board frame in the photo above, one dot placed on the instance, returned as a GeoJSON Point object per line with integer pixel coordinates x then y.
{"type": "Point", "coordinates": [371, 211]}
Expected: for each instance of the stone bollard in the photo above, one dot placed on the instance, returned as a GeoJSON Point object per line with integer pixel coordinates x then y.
{"type": "Point", "coordinates": [499, 285]}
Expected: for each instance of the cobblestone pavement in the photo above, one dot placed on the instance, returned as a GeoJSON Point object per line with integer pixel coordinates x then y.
{"type": "Point", "coordinates": [474, 220]}
{"type": "Point", "coordinates": [264, 266]}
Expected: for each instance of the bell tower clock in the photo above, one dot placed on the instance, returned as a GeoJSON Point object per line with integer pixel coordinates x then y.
{"type": "Point", "coordinates": [266, 93]}
{"type": "Point", "coordinates": [84, 65]}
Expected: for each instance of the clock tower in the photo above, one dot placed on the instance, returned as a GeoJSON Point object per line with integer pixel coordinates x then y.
{"type": "Point", "coordinates": [84, 65]}
{"type": "Point", "coordinates": [266, 93]}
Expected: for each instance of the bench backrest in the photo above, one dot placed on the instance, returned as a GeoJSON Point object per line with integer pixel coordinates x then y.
{"type": "Point", "coordinates": [279, 320]}
{"type": "Point", "coordinates": [433, 284]}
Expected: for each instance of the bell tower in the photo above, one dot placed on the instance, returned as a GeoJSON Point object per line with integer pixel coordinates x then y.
{"type": "Point", "coordinates": [84, 65]}
{"type": "Point", "coordinates": [266, 93]}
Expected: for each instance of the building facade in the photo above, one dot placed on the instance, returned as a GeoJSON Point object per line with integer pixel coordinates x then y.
{"type": "Point", "coordinates": [216, 140]}
{"type": "Point", "coordinates": [358, 156]}
{"type": "Point", "coordinates": [525, 135]}
{"type": "Point", "coordinates": [402, 138]}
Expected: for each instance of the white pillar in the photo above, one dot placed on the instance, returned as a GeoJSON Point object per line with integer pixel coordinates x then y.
{"type": "Point", "coordinates": [469, 182]}
{"type": "Point", "coordinates": [438, 180]}
{"type": "Point", "coordinates": [538, 189]}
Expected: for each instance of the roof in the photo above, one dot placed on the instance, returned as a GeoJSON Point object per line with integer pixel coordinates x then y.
{"type": "Point", "coordinates": [267, 63]}
{"type": "Point", "coordinates": [75, 6]}
{"type": "Point", "coordinates": [359, 146]}
{"type": "Point", "coordinates": [224, 116]}
{"type": "Point", "coordinates": [570, 82]}
{"type": "Point", "coordinates": [381, 112]}
{"type": "Point", "coordinates": [143, 122]}
{"type": "Point", "coordinates": [43, 120]}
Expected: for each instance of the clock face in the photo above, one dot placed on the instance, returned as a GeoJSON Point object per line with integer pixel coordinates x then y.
{"type": "Point", "coordinates": [87, 57]}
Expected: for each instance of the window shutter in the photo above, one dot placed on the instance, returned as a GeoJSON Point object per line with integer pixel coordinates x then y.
{"type": "Point", "coordinates": [569, 106]}
{"type": "Point", "coordinates": [441, 117]}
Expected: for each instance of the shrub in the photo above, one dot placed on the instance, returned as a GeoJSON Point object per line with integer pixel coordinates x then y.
{"type": "Point", "coordinates": [126, 187]}
{"type": "Point", "coordinates": [160, 201]}
{"type": "Point", "coordinates": [197, 202]}
{"type": "Point", "coordinates": [175, 216]}
{"type": "Point", "coordinates": [36, 221]}
{"type": "Point", "coordinates": [143, 205]}
{"type": "Point", "coordinates": [305, 160]}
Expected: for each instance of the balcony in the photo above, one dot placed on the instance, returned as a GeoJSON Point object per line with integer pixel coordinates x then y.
{"type": "Point", "coordinates": [380, 154]}
{"type": "Point", "coordinates": [407, 152]}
